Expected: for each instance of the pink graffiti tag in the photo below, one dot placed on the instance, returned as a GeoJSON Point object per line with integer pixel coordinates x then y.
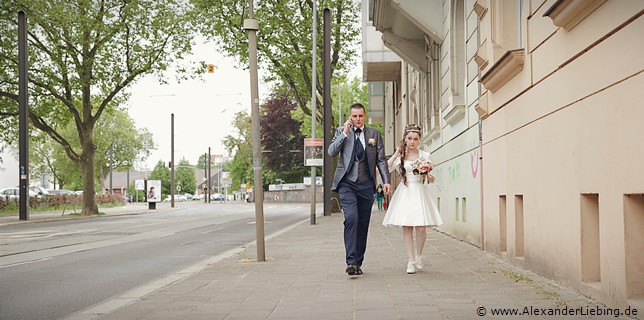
{"type": "Point", "coordinates": [474, 161]}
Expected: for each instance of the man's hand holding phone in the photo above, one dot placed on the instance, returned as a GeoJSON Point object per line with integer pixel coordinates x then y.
{"type": "Point", "coordinates": [347, 126]}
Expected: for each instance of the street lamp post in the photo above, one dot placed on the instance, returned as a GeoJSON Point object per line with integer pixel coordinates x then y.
{"type": "Point", "coordinates": [172, 160]}
{"type": "Point", "coordinates": [251, 25]}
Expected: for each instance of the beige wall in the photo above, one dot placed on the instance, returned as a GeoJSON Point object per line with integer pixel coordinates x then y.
{"type": "Point", "coordinates": [560, 183]}
{"type": "Point", "coordinates": [562, 144]}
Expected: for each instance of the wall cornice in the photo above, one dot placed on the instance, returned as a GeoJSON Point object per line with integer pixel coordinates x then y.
{"type": "Point", "coordinates": [509, 64]}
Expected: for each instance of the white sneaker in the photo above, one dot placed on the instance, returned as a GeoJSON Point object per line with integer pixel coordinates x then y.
{"type": "Point", "coordinates": [411, 268]}
{"type": "Point", "coordinates": [419, 262]}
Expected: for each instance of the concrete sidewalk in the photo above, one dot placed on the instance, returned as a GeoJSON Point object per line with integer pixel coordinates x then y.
{"type": "Point", "coordinates": [303, 278]}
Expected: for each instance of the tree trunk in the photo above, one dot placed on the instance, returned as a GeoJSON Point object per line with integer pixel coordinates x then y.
{"type": "Point", "coordinates": [87, 167]}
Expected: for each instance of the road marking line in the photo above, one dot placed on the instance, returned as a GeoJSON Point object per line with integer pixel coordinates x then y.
{"type": "Point", "coordinates": [25, 262]}
{"type": "Point", "coordinates": [161, 236]}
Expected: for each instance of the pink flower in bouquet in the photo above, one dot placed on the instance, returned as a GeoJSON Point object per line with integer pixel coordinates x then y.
{"type": "Point", "coordinates": [422, 167]}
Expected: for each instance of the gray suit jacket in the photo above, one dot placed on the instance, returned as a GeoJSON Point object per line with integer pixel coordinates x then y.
{"type": "Point", "coordinates": [344, 146]}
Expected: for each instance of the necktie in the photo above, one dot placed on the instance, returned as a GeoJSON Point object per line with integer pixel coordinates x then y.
{"type": "Point", "coordinates": [358, 147]}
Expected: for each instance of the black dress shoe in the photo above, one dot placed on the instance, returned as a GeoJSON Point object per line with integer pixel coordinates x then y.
{"type": "Point", "coordinates": [351, 270]}
{"type": "Point", "coordinates": [358, 270]}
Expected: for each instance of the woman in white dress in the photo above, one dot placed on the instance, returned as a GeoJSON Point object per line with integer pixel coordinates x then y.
{"type": "Point", "coordinates": [412, 206]}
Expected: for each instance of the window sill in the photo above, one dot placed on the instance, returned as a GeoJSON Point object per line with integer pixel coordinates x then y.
{"type": "Point", "coordinates": [568, 13]}
{"type": "Point", "coordinates": [502, 71]}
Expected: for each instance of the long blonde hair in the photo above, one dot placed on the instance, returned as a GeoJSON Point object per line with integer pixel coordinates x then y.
{"type": "Point", "coordinates": [402, 146]}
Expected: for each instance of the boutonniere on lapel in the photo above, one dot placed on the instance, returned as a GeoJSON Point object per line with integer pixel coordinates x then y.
{"type": "Point", "coordinates": [372, 142]}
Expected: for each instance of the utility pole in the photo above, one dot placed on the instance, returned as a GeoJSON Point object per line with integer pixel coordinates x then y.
{"type": "Point", "coordinates": [23, 115]}
{"type": "Point", "coordinates": [314, 105]}
{"type": "Point", "coordinates": [251, 26]}
{"type": "Point", "coordinates": [328, 114]}
{"type": "Point", "coordinates": [111, 167]}
{"type": "Point", "coordinates": [171, 160]}
{"type": "Point", "coordinates": [209, 175]}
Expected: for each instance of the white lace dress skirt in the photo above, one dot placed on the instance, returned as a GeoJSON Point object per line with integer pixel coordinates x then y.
{"type": "Point", "coordinates": [412, 204]}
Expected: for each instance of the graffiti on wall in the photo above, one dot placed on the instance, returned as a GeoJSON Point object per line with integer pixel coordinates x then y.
{"type": "Point", "coordinates": [474, 162]}
{"type": "Point", "coordinates": [438, 173]}
{"type": "Point", "coordinates": [454, 171]}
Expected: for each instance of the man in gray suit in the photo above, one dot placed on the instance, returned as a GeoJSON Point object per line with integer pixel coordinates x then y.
{"type": "Point", "coordinates": [361, 150]}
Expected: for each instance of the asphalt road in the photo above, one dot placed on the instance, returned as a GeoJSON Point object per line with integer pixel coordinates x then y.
{"type": "Point", "coordinates": [51, 269]}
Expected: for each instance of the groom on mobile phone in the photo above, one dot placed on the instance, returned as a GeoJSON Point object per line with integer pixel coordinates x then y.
{"type": "Point", "coordinates": [361, 151]}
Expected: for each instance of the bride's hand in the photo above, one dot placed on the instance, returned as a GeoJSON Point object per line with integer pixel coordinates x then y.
{"type": "Point", "coordinates": [400, 149]}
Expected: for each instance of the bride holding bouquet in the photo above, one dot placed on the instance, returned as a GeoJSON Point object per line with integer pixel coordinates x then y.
{"type": "Point", "coordinates": [412, 206]}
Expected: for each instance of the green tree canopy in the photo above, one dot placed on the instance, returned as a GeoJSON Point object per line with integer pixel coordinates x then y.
{"type": "Point", "coordinates": [239, 144]}
{"type": "Point", "coordinates": [185, 177]}
{"type": "Point", "coordinates": [115, 128]}
{"type": "Point", "coordinates": [348, 91]}
{"type": "Point", "coordinates": [284, 39]}
{"type": "Point", "coordinates": [83, 55]}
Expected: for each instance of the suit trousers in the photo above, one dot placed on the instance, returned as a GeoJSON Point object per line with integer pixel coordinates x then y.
{"type": "Point", "coordinates": [357, 202]}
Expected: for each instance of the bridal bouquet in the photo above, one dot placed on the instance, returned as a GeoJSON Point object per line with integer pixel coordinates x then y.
{"type": "Point", "coordinates": [422, 167]}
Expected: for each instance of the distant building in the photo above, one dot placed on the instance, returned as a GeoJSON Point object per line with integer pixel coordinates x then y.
{"type": "Point", "coordinates": [122, 179]}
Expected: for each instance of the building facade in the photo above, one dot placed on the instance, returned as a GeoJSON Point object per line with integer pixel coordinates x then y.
{"type": "Point", "coordinates": [547, 130]}
{"type": "Point", "coordinates": [433, 82]}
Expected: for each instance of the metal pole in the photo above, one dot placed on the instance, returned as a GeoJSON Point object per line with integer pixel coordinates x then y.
{"type": "Point", "coordinates": [251, 26]}
{"type": "Point", "coordinates": [205, 174]}
{"type": "Point", "coordinates": [111, 168]}
{"type": "Point", "coordinates": [328, 113]}
{"type": "Point", "coordinates": [209, 175]}
{"type": "Point", "coordinates": [23, 115]}
{"type": "Point", "coordinates": [314, 104]}
{"type": "Point", "coordinates": [172, 160]}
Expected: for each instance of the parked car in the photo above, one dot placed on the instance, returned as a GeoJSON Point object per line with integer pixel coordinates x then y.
{"type": "Point", "coordinates": [217, 197]}
{"type": "Point", "coordinates": [39, 191]}
{"type": "Point", "coordinates": [177, 198]}
{"type": "Point", "coordinates": [14, 193]}
{"type": "Point", "coordinates": [61, 192]}
{"type": "Point", "coordinates": [198, 197]}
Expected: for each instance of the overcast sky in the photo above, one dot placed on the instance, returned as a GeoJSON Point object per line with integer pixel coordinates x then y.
{"type": "Point", "coordinates": [203, 108]}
